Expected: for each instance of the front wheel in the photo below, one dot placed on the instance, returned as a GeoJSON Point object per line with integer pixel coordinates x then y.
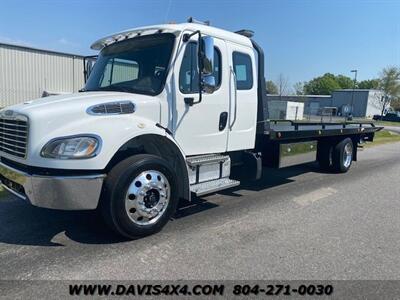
{"type": "Point", "coordinates": [139, 196]}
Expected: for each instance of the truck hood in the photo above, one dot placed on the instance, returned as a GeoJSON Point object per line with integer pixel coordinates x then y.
{"type": "Point", "coordinates": [67, 115]}
{"type": "Point", "coordinates": [70, 103]}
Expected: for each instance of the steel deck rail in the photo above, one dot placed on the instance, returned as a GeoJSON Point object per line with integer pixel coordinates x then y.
{"type": "Point", "coordinates": [288, 129]}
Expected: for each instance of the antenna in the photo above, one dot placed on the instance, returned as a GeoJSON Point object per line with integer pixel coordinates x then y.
{"type": "Point", "coordinates": [192, 20]}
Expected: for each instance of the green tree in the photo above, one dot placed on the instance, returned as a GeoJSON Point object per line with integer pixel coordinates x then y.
{"type": "Point", "coordinates": [344, 82]}
{"type": "Point", "coordinates": [368, 84]}
{"type": "Point", "coordinates": [323, 85]}
{"type": "Point", "coordinates": [271, 87]}
{"type": "Point", "coordinates": [396, 105]}
{"type": "Point", "coordinates": [327, 83]}
{"type": "Point", "coordinates": [389, 83]}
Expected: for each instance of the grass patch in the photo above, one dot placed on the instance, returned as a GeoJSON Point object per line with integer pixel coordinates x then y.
{"type": "Point", "coordinates": [384, 137]}
{"type": "Point", "coordinates": [387, 123]}
{"type": "Point", "coordinates": [2, 192]}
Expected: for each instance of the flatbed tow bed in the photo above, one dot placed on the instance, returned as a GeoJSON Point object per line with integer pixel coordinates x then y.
{"type": "Point", "coordinates": [284, 143]}
{"type": "Point", "coordinates": [294, 130]}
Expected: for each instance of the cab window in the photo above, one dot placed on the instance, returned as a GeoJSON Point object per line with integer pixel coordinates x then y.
{"type": "Point", "coordinates": [243, 70]}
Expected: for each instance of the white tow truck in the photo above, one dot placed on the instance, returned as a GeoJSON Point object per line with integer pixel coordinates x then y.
{"type": "Point", "coordinates": [167, 111]}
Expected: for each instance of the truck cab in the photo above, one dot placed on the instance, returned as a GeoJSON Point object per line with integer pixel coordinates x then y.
{"type": "Point", "coordinates": [161, 62]}
{"type": "Point", "coordinates": [167, 111]}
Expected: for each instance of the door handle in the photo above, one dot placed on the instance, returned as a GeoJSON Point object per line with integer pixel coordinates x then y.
{"type": "Point", "coordinates": [233, 75]}
{"type": "Point", "coordinates": [223, 118]}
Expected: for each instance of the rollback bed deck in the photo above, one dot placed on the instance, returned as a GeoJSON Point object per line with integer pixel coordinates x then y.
{"type": "Point", "coordinates": [293, 130]}
{"type": "Point", "coordinates": [284, 143]}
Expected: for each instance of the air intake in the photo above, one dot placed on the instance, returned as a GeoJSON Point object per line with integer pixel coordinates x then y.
{"type": "Point", "coordinates": [112, 108]}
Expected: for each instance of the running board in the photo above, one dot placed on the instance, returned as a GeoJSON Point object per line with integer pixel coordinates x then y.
{"type": "Point", "coordinates": [213, 186]}
{"type": "Point", "coordinates": [206, 159]}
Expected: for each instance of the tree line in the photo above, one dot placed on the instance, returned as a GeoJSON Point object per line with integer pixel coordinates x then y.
{"type": "Point", "coordinates": [388, 82]}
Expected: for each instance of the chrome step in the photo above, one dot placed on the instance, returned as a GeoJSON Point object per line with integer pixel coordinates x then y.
{"type": "Point", "coordinates": [213, 186]}
{"type": "Point", "coordinates": [206, 159]}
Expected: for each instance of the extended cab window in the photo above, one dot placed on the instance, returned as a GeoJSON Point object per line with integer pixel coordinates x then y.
{"type": "Point", "coordinates": [189, 75]}
{"type": "Point", "coordinates": [243, 71]}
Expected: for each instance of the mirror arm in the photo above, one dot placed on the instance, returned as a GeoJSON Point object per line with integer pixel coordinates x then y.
{"type": "Point", "coordinates": [186, 38]}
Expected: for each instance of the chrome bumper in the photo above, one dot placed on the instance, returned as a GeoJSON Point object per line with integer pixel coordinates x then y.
{"type": "Point", "coordinates": [57, 192]}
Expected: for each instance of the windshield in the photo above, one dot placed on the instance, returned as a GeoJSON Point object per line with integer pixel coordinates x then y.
{"type": "Point", "coordinates": [137, 65]}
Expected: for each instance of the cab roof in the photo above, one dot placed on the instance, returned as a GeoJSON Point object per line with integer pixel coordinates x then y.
{"type": "Point", "coordinates": [171, 28]}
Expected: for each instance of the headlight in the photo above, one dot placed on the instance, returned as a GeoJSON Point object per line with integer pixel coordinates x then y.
{"type": "Point", "coordinates": [74, 147]}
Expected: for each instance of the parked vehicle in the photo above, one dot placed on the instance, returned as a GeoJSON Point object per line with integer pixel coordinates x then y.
{"type": "Point", "coordinates": [391, 117]}
{"type": "Point", "coordinates": [167, 112]}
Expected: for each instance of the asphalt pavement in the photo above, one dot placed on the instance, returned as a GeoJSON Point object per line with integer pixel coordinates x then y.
{"type": "Point", "coordinates": [296, 223]}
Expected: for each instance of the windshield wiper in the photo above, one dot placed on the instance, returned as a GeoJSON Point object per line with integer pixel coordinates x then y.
{"type": "Point", "coordinates": [116, 88]}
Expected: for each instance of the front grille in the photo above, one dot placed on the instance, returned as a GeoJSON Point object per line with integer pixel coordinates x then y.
{"type": "Point", "coordinates": [14, 135]}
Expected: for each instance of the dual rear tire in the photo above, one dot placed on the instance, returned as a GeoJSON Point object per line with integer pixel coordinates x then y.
{"type": "Point", "coordinates": [337, 157]}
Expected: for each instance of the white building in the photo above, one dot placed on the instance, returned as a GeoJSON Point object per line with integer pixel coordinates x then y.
{"type": "Point", "coordinates": [285, 110]}
{"type": "Point", "coordinates": [360, 103]}
{"type": "Point", "coordinates": [26, 73]}
{"type": "Point", "coordinates": [365, 103]}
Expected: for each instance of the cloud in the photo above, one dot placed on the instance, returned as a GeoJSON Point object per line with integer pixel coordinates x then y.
{"type": "Point", "coordinates": [65, 42]}
{"type": "Point", "coordinates": [8, 40]}
{"type": "Point", "coordinates": [62, 44]}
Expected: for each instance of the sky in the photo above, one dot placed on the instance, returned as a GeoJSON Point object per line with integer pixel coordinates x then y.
{"type": "Point", "coordinates": [301, 39]}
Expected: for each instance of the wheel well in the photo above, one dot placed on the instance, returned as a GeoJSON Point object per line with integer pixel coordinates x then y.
{"type": "Point", "coordinates": [160, 146]}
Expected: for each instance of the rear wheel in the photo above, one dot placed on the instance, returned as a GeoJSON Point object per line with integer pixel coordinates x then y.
{"type": "Point", "coordinates": [325, 151]}
{"type": "Point", "coordinates": [140, 196]}
{"type": "Point", "coordinates": [342, 156]}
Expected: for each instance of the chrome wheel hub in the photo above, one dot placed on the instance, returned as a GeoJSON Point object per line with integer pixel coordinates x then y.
{"type": "Point", "coordinates": [147, 197]}
{"type": "Point", "coordinates": [347, 155]}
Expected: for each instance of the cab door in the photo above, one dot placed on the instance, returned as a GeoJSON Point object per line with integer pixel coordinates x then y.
{"type": "Point", "coordinates": [200, 128]}
{"type": "Point", "coordinates": [243, 97]}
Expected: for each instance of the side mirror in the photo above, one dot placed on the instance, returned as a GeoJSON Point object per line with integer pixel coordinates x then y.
{"type": "Point", "coordinates": [88, 63]}
{"type": "Point", "coordinates": [208, 84]}
{"type": "Point", "coordinates": [206, 55]}
{"type": "Point", "coordinates": [206, 64]}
